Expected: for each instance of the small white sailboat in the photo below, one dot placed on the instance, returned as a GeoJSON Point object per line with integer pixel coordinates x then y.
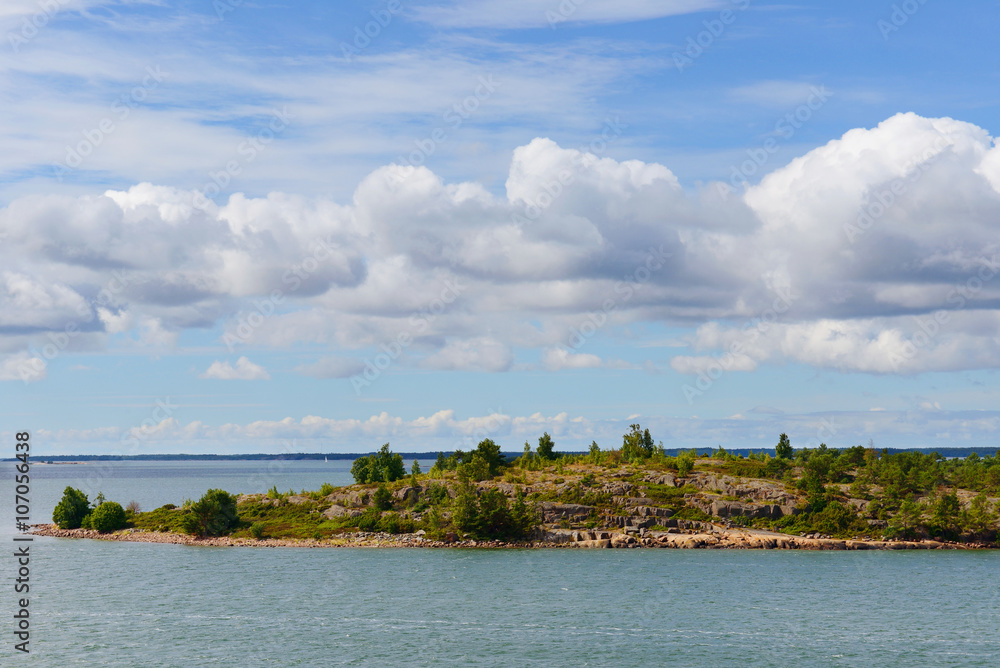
{"type": "Point", "coordinates": [326, 459]}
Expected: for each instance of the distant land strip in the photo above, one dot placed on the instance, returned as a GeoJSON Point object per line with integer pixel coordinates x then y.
{"type": "Point", "coordinates": [303, 456]}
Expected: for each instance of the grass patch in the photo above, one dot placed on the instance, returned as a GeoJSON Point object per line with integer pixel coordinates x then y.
{"type": "Point", "coordinates": [667, 495]}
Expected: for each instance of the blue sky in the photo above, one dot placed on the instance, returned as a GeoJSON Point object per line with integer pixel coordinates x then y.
{"type": "Point", "coordinates": [252, 227]}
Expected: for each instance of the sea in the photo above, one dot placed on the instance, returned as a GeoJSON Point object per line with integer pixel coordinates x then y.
{"type": "Point", "coordinates": [100, 603]}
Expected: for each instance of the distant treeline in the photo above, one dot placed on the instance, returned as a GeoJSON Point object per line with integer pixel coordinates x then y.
{"type": "Point", "coordinates": [303, 456]}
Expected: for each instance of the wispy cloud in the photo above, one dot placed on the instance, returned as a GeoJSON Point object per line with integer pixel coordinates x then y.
{"type": "Point", "coordinates": [550, 13]}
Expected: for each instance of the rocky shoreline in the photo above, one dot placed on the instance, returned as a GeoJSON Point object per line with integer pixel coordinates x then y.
{"type": "Point", "coordinates": [710, 537]}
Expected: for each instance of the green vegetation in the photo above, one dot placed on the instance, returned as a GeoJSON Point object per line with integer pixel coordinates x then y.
{"type": "Point", "coordinates": [74, 512]}
{"type": "Point", "coordinates": [109, 516]}
{"type": "Point", "coordinates": [383, 466]}
{"type": "Point", "coordinates": [213, 515]}
{"type": "Point", "coordinates": [490, 514]}
{"type": "Point", "coordinates": [71, 510]}
{"type": "Point", "coordinates": [382, 498]}
{"type": "Point", "coordinates": [784, 448]}
{"type": "Point", "coordinates": [545, 447]}
{"type": "Point", "coordinates": [852, 492]}
{"type": "Point", "coordinates": [637, 444]}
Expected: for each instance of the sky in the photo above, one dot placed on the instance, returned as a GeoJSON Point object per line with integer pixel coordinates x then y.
{"type": "Point", "coordinates": [251, 226]}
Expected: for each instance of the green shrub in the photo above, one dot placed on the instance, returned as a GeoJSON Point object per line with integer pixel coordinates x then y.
{"type": "Point", "coordinates": [71, 509]}
{"type": "Point", "coordinates": [436, 494]}
{"type": "Point", "coordinates": [394, 523]}
{"type": "Point", "coordinates": [257, 530]}
{"type": "Point", "coordinates": [369, 520]}
{"type": "Point", "coordinates": [834, 519]}
{"type": "Point", "coordinates": [382, 498]}
{"type": "Point", "coordinates": [109, 516]}
{"type": "Point", "coordinates": [326, 489]}
{"type": "Point", "coordinates": [212, 515]}
{"type": "Point", "coordinates": [685, 463]}
{"type": "Point", "coordinates": [490, 515]}
{"type": "Point", "coordinates": [476, 469]}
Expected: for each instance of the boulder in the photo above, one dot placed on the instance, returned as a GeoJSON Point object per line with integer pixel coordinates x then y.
{"type": "Point", "coordinates": [349, 499]}
{"type": "Point", "coordinates": [557, 536]}
{"type": "Point", "coordinates": [623, 540]}
{"type": "Point", "coordinates": [407, 495]}
{"type": "Point", "coordinates": [593, 544]}
{"type": "Point", "coordinates": [336, 511]}
{"type": "Point", "coordinates": [860, 505]}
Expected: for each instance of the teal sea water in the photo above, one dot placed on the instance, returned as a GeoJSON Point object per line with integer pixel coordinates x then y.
{"type": "Point", "coordinates": [98, 603]}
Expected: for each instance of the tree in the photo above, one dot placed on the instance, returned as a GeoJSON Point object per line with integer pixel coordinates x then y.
{"type": "Point", "coordinates": [212, 515]}
{"type": "Point", "coordinates": [637, 444]}
{"type": "Point", "coordinates": [946, 516]}
{"type": "Point", "coordinates": [907, 519]}
{"type": "Point", "coordinates": [595, 453]}
{"type": "Point", "coordinates": [545, 446]}
{"type": "Point", "coordinates": [383, 466]}
{"type": "Point", "coordinates": [490, 452]}
{"type": "Point", "coordinates": [414, 472]}
{"type": "Point", "coordinates": [382, 498]}
{"type": "Point", "coordinates": [390, 466]}
{"type": "Point", "coordinates": [490, 515]}
{"type": "Point", "coordinates": [784, 448]}
{"type": "Point", "coordinates": [527, 459]}
{"type": "Point", "coordinates": [71, 509]}
{"type": "Point", "coordinates": [476, 469]}
{"type": "Point", "coordinates": [109, 516]}
{"type": "Point", "coordinates": [981, 518]}
{"type": "Point", "coordinates": [361, 470]}
{"type": "Point", "coordinates": [465, 509]}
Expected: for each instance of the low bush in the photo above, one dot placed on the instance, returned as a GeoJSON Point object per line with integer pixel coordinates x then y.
{"type": "Point", "coordinates": [109, 516]}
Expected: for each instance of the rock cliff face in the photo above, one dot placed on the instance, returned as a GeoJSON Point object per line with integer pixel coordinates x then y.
{"type": "Point", "coordinates": [336, 511]}
{"type": "Point", "coordinates": [728, 509]}
{"type": "Point", "coordinates": [759, 490]}
{"type": "Point", "coordinates": [573, 512]}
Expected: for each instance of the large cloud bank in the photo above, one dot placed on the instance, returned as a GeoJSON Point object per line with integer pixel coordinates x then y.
{"type": "Point", "coordinates": [877, 252]}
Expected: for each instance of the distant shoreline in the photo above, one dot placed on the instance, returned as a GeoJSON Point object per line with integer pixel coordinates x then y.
{"type": "Point", "coordinates": [312, 456]}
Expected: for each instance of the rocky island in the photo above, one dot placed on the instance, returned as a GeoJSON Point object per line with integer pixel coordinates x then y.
{"type": "Point", "coordinates": [632, 496]}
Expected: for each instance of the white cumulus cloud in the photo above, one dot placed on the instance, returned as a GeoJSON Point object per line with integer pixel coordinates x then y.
{"type": "Point", "coordinates": [243, 370]}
